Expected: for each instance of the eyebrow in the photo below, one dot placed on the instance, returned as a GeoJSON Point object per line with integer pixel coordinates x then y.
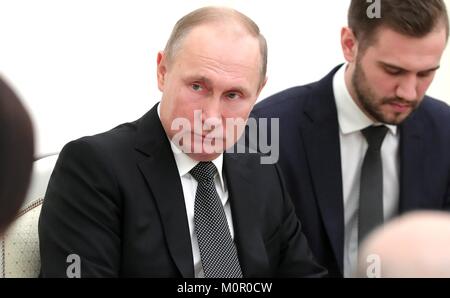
{"type": "Point", "coordinates": [200, 79]}
{"type": "Point", "coordinates": [384, 64]}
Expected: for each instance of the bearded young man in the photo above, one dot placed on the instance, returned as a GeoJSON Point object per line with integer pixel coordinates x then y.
{"type": "Point", "coordinates": [365, 143]}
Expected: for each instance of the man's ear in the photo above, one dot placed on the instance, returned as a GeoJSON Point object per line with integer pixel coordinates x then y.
{"type": "Point", "coordinates": [161, 70]}
{"type": "Point", "coordinates": [349, 44]}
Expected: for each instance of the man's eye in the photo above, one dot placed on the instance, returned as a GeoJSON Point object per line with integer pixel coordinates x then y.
{"type": "Point", "coordinates": [233, 95]}
{"type": "Point", "coordinates": [196, 87]}
{"type": "Point", "coordinates": [393, 72]}
{"type": "Point", "coordinates": [424, 74]}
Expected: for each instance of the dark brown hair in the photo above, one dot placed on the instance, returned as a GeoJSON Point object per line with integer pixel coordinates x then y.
{"type": "Point", "coordinates": [415, 18]}
{"type": "Point", "coordinates": [16, 154]}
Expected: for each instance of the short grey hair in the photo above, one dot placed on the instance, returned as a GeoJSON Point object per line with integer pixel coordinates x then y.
{"type": "Point", "coordinates": [211, 14]}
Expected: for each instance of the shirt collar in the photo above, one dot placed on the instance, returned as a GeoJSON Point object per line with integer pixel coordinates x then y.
{"type": "Point", "coordinates": [185, 163]}
{"type": "Point", "coordinates": [351, 118]}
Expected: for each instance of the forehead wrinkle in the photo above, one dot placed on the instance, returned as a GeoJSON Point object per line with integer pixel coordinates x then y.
{"type": "Point", "coordinates": [221, 52]}
{"type": "Point", "coordinates": [215, 64]}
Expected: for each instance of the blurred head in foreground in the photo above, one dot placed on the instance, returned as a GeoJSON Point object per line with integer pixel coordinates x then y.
{"type": "Point", "coordinates": [16, 154]}
{"type": "Point", "coordinates": [414, 245]}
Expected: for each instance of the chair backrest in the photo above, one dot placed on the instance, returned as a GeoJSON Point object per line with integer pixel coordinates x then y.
{"type": "Point", "coordinates": [19, 246]}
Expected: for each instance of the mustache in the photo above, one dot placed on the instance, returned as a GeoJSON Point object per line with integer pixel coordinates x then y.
{"type": "Point", "coordinates": [400, 101]}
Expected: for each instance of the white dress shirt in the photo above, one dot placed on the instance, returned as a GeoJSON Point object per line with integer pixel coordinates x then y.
{"type": "Point", "coordinates": [189, 184]}
{"type": "Point", "coordinates": [353, 149]}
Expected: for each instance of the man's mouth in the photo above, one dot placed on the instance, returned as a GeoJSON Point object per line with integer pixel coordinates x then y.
{"type": "Point", "coordinates": [400, 107]}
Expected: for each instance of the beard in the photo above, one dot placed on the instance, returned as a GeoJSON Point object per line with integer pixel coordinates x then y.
{"type": "Point", "coordinates": [373, 105]}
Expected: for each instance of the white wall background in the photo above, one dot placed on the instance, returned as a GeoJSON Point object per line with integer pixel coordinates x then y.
{"type": "Point", "coordinates": [85, 66]}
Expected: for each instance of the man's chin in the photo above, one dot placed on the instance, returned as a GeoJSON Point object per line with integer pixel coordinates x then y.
{"type": "Point", "coordinates": [204, 156]}
{"type": "Point", "coordinates": [394, 118]}
{"type": "Point", "coordinates": [201, 147]}
{"type": "Point", "coordinates": [203, 152]}
{"type": "Point", "coordinates": [388, 114]}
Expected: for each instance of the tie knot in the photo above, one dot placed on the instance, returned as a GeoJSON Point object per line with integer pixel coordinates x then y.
{"type": "Point", "coordinates": [375, 136]}
{"type": "Point", "coordinates": [204, 171]}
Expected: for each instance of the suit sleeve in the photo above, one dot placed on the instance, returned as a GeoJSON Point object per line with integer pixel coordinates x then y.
{"type": "Point", "coordinates": [80, 217]}
{"type": "Point", "coordinates": [297, 259]}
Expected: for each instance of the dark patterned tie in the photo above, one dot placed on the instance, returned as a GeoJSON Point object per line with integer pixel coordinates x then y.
{"type": "Point", "coordinates": [371, 185]}
{"type": "Point", "coordinates": [217, 250]}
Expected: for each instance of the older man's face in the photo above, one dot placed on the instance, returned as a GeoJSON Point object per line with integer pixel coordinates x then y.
{"type": "Point", "coordinates": [213, 79]}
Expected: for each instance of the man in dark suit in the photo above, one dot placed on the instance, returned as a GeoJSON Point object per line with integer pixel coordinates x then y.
{"type": "Point", "coordinates": [130, 203]}
{"type": "Point", "coordinates": [364, 143]}
{"type": "Point", "coordinates": [16, 154]}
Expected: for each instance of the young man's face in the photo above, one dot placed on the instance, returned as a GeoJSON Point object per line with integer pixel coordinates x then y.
{"type": "Point", "coordinates": [389, 79]}
{"type": "Point", "coordinates": [214, 77]}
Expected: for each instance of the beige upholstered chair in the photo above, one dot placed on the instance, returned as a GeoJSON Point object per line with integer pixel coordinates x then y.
{"type": "Point", "coordinates": [19, 246]}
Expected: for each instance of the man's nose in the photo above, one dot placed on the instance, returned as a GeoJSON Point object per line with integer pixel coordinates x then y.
{"type": "Point", "coordinates": [407, 89]}
{"type": "Point", "coordinates": [211, 108]}
{"type": "Point", "coordinates": [211, 114]}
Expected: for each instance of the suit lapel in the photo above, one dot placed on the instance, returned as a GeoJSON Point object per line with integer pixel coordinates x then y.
{"type": "Point", "coordinates": [160, 171]}
{"type": "Point", "coordinates": [242, 202]}
{"type": "Point", "coordinates": [411, 165]}
{"type": "Point", "coordinates": [320, 130]}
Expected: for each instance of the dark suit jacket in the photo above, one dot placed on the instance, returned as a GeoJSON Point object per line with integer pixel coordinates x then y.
{"type": "Point", "coordinates": [116, 200]}
{"type": "Point", "coordinates": [310, 160]}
